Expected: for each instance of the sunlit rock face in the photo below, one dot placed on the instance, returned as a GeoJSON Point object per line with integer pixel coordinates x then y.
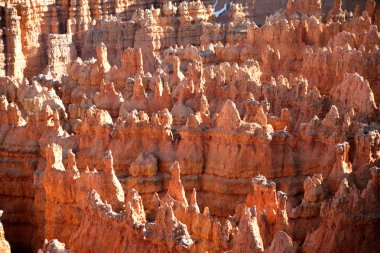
{"type": "Point", "coordinates": [199, 126]}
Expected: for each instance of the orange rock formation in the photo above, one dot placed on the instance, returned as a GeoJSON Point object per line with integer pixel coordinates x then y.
{"type": "Point", "coordinates": [189, 126]}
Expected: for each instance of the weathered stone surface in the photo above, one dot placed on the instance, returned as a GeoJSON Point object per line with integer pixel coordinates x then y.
{"type": "Point", "coordinates": [4, 245]}
{"type": "Point", "coordinates": [342, 215]}
{"type": "Point", "coordinates": [189, 126]}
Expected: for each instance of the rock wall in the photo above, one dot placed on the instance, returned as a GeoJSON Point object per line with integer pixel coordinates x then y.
{"type": "Point", "coordinates": [172, 129]}
{"type": "Point", "coordinates": [169, 224]}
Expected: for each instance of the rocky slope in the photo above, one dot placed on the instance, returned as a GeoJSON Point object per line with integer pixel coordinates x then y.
{"type": "Point", "coordinates": [156, 126]}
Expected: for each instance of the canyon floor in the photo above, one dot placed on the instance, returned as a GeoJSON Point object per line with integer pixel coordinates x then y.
{"type": "Point", "coordinates": [182, 126]}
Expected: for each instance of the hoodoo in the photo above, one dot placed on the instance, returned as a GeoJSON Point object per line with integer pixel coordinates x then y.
{"type": "Point", "coordinates": [189, 126]}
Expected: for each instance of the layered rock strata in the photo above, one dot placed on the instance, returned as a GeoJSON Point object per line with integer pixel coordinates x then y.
{"type": "Point", "coordinates": [175, 126]}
